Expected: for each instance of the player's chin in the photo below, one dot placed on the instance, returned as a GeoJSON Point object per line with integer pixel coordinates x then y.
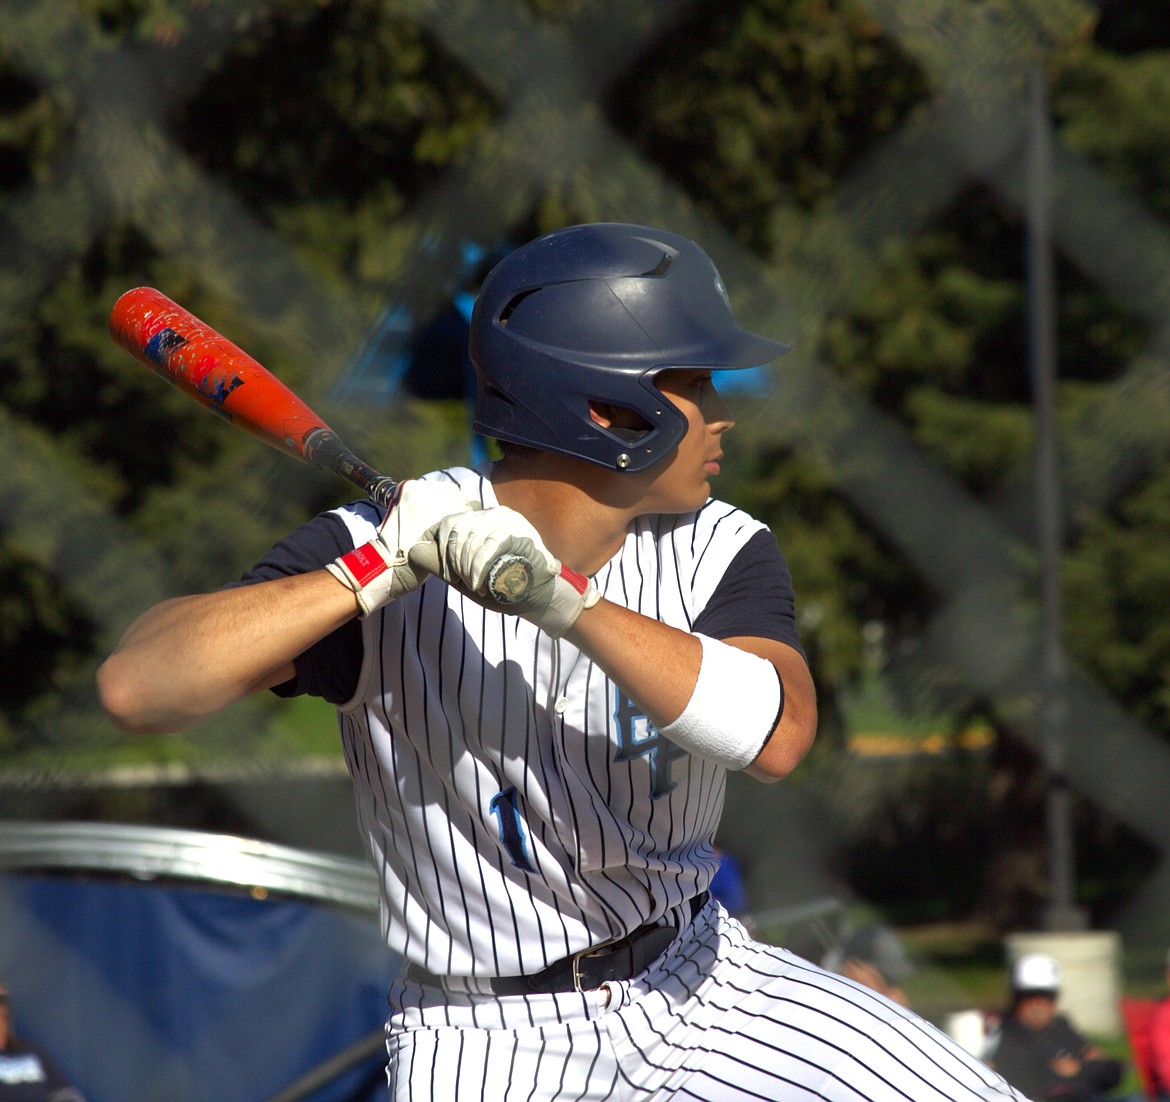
{"type": "Point", "coordinates": [696, 499]}
{"type": "Point", "coordinates": [681, 495]}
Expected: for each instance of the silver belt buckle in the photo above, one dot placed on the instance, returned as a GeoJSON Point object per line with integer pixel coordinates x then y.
{"type": "Point", "coordinates": [577, 957]}
{"type": "Point", "coordinates": [606, 948]}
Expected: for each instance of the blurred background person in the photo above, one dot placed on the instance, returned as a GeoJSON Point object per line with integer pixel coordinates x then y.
{"type": "Point", "coordinates": [873, 955]}
{"type": "Point", "coordinates": [27, 1074]}
{"type": "Point", "coordinates": [1040, 1052]}
{"type": "Point", "coordinates": [728, 886]}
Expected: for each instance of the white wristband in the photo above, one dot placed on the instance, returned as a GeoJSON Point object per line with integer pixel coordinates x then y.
{"type": "Point", "coordinates": [737, 701]}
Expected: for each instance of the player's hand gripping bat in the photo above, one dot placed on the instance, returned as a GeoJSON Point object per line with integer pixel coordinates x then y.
{"type": "Point", "coordinates": [223, 378]}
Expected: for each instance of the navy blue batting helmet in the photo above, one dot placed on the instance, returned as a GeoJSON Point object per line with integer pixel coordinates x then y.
{"type": "Point", "coordinates": [592, 313]}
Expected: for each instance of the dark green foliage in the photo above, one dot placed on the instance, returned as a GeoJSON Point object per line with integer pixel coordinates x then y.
{"type": "Point", "coordinates": [332, 102]}
{"type": "Point", "coordinates": [1125, 27]}
{"type": "Point", "coordinates": [759, 105]}
{"type": "Point", "coordinates": [329, 132]}
{"type": "Point", "coordinates": [1118, 585]}
{"type": "Point", "coordinates": [42, 633]}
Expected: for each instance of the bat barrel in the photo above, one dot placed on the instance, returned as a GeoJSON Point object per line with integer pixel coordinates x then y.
{"type": "Point", "coordinates": [222, 377]}
{"type": "Point", "coordinates": [207, 367]}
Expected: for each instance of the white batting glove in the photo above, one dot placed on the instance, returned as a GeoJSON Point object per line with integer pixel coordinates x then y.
{"type": "Point", "coordinates": [382, 570]}
{"type": "Point", "coordinates": [477, 548]}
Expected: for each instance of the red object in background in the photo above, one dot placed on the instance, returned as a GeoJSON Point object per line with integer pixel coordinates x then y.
{"type": "Point", "coordinates": [1136, 1014]}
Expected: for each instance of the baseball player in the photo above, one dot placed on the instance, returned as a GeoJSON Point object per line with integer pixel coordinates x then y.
{"type": "Point", "coordinates": [539, 771]}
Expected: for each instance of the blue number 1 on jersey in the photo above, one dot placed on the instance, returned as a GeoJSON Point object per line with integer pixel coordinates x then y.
{"type": "Point", "coordinates": [512, 835]}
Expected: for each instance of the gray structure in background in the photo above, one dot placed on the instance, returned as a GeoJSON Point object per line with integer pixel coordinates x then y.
{"type": "Point", "coordinates": [102, 851]}
{"type": "Point", "coordinates": [1062, 912]}
{"type": "Point", "coordinates": [155, 853]}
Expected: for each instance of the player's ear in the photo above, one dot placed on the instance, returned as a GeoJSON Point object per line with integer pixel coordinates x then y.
{"type": "Point", "coordinates": [602, 414]}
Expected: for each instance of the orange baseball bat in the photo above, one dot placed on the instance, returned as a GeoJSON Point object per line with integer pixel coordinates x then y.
{"type": "Point", "coordinates": [223, 378]}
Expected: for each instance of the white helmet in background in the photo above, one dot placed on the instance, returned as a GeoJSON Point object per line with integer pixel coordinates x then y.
{"type": "Point", "coordinates": [1036, 972]}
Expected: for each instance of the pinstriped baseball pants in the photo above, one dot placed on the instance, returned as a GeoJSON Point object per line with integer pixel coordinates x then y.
{"type": "Point", "coordinates": [717, 1018]}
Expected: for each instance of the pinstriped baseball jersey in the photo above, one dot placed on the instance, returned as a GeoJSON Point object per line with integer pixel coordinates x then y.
{"type": "Point", "coordinates": [517, 805]}
{"type": "Point", "coordinates": [519, 808]}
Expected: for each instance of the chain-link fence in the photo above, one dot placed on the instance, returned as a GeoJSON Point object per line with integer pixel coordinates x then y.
{"type": "Point", "coordinates": [117, 165]}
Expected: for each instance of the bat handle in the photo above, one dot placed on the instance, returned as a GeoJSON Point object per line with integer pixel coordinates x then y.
{"type": "Point", "coordinates": [324, 448]}
{"type": "Point", "coordinates": [382, 490]}
{"type": "Point", "coordinates": [510, 575]}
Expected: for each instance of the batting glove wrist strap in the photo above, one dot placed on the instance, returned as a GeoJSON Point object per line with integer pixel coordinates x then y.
{"type": "Point", "coordinates": [371, 572]}
{"type": "Point", "coordinates": [736, 703]}
{"type": "Point", "coordinates": [477, 549]}
{"type": "Point", "coordinates": [382, 570]}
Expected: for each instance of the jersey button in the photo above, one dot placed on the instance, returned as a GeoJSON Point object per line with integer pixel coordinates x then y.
{"type": "Point", "coordinates": [560, 706]}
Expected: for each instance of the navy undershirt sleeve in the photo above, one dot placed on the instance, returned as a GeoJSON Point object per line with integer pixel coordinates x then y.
{"type": "Point", "coordinates": [755, 597]}
{"type": "Point", "coordinates": [330, 668]}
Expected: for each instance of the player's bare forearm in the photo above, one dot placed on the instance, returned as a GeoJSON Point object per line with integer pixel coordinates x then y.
{"type": "Point", "coordinates": [655, 664]}
{"type": "Point", "coordinates": [658, 665]}
{"type": "Point", "coordinates": [794, 734]}
{"type": "Point", "coordinates": [187, 658]}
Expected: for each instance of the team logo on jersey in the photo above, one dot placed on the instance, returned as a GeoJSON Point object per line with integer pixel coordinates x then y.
{"type": "Point", "coordinates": [638, 737]}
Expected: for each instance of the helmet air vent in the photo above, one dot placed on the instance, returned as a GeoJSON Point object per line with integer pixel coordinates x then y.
{"type": "Point", "coordinates": [660, 268]}
{"type": "Point", "coordinates": [510, 308]}
{"type": "Point", "coordinates": [497, 394]}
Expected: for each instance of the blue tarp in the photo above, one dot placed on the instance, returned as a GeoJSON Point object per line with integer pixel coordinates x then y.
{"type": "Point", "coordinates": [152, 993]}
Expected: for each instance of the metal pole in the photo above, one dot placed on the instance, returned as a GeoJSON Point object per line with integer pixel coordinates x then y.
{"type": "Point", "coordinates": [1062, 912]}
{"type": "Point", "coordinates": [325, 1072]}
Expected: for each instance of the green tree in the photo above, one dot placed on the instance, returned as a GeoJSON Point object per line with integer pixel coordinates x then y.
{"type": "Point", "coordinates": [935, 335]}
{"type": "Point", "coordinates": [318, 140]}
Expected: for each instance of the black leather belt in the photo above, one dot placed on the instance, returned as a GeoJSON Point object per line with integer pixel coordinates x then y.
{"type": "Point", "coordinates": [584, 971]}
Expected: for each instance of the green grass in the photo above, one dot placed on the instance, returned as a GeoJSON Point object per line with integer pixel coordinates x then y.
{"type": "Point", "coordinates": [281, 732]}
{"type": "Point", "coordinates": [306, 725]}
{"type": "Point", "coordinates": [959, 967]}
